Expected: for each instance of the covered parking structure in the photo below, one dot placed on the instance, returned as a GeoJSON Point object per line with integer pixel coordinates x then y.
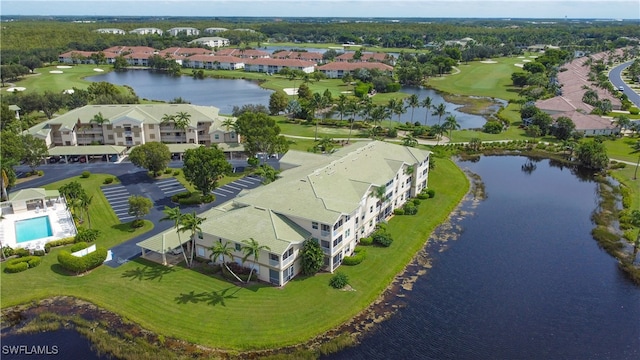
{"type": "Point", "coordinates": [113, 153]}
{"type": "Point", "coordinates": [164, 248]}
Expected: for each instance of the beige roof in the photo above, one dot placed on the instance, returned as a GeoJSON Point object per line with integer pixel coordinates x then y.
{"type": "Point", "coordinates": [33, 193]}
{"type": "Point", "coordinates": [266, 227]}
{"type": "Point", "coordinates": [87, 150]}
{"type": "Point", "coordinates": [323, 187]}
{"type": "Point", "coordinates": [165, 241]}
{"type": "Point", "coordinates": [585, 122]}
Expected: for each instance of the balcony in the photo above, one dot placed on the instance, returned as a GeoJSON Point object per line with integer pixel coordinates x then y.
{"type": "Point", "coordinates": [324, 233]}
{"type": "Point", "coordinates": [275, 263]}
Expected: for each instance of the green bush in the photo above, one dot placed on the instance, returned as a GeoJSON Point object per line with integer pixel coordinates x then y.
{"type": "Point", "coordinates": [366, 241]}
{"type": "Point", "coordinates": [108, 180]}
{"type": "Point", "coordinates": [137, 223]}
{"type": "Point", "coordinates": [40, 173]}
{"type": "Point", "coordinates": [634, 110]}
{"type": "Point", "coordinates": [382, 238]}
{"type": "Point", "coordinates": [168, 171]}
{"type": "Point", "coordinates": [87, 235]}
{"type": "Point", "coordinates": [431, 193]}
{"type": "Point", "coordinates": [398, 211]}
{"type": "Point", "coordinates": [22, 264]}
{"type": "Point", "coordinates": [7, 251]}
{"type": "Point", "coordinates": [79, 246]}
{"type": "Point", "coordinates": [416, 202]}
{"type": "Point", "coordinates": [61, 242]}
{"type": "Point", "coordinates": [21, 252]}
{"type": "Point", "coordinates": [176, 172]}
{"type": "Point", "coordinates": [85, 174]}
{"type": "Point", "coordinates": [339, 280]}
{"type": "Point", "coordinates": [423, 196]}
{"type": "Point", "coordinates": [82, 264]}
{"type": "Point", "coordinates": [208, 198]}
{"type": "Point", "coordinates": [410, 209]}
{"type": "Point", "coordinates": [358, 256]}
{"type": "Point", "coordinates": [39, 252]}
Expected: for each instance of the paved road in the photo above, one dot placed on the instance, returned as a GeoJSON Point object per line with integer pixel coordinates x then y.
{"type": "Point", "coordinates": [134, 181]}
{"type": "Point", "coordinates": [615, 76]}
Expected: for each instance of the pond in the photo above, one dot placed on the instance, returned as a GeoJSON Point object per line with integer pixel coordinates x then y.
{"type": "Point", "coordinates": [521, 279]}
{"type": "Point", "coordinates": [221, 93]}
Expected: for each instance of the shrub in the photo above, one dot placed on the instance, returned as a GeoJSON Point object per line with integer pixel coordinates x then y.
{"type": "Point", "coordinates": [634, 110]}
{"type": "Point", "coordinates": [61, 242]}
{"type": "Point", "coordinates": [176, 172]}
{"type": "Point", "coordinates": [85, 174]}
{"type": "Point", "coordinates": [7, 251]}
{"type": "Point", "coordinates": [423, 196]}
{"type": "Point", "coordinates": [22, 264]}
{"type": "Point", "coordinates": [431, 193]}
{"type": "Point", "coordinates": [416, 202]}
{"type": "Point", "coordinates": [382, 238]}
{"type": "Point", "coordinates": [339, 280]}
{"type": "Point", "coordinates": [398, 211]}
{"type": "Point", "coordinates": [366, 241]}
{"type": "Point", "coordinates": [108, 180]}
{"type": "Point", "coordinates": [392, 133]}
{"type": "Point", "coordinates": [168, 171]}
{"type": "Point", "coordinates": [79, 246]}
{"type": "Point", "coordinates": [137, 223]}
{"type": "Point", "coordinates": [87, 235]}
{"type": "Point", "coordinates": [208, 198]}
{"type": "Point", "coordinates": [82, 264]}
{"type": "Point", "coordinates": [39, 252]}
{"type": "Point", "coordinates": [410, 209]}
{"type": "Point", "coordinates": [21, 252]}
{"type": "Point", "coordinates": [40, 173]}
{"type": "Point", "coordinates": [358, 256]}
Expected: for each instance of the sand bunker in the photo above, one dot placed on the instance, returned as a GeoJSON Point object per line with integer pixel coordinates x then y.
{"type": "Point", "coordinates": [56, 71]}
{"type": "Point", "coordinates": [519, 65]}
{"type": "Point", "coordinates": [68, 91]}
{"type": "Point", "coordinates": [520, 57]}
{"type": "Point", "coordinates": [291, 91]}
{"type": "Point", "coordinates": [98, 70]}
{"type": "Point", "coordinates": [17, 88]}
{"type": "Point", "coordinates": [489, 62]}
{"type": "Point", "coordinates": [533, 56]}
{"type": "Point", "coordinates": [63, 67]}
{"type": "Point", "coordinates": [346, 92]}
{"type": "Point", "coordinates": [526, 60]}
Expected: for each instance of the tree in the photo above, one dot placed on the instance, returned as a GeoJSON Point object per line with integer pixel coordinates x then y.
{"type": "Point", "coordinates": [252, 248]}
{"type": "Point", "coordinates": [636, 148]}
{"type": "Point", "coordinates": [261, 134]}
{"type": "Point", "coordinates": [533, 131]}
{"type": "Point", "coordinates": [563, 128]}
{"type": "Point", "coordinates": [120, 63]}
{"type": "Point", "coordinates": [35, 150]}
{"type": "Point", "coordinates": [139, 206]}
{"type": "Point", "coordinates": [312, 257]}
{"type": "Point", "coordinates": [543, 120]}
{"type": "Point", "coordinates": [175, 215]}
{"type": "Point", "coordinates": [99, 119]}
{"type": "Point", "coordinates": [427, 104]}
{"type": "Point", "coordinates": [622, 122]}
{"type": "Point", "coordinates": [267, 173]}
{"type": "Point", "coordinates": [85, 203]}
{"type": "Point", "coordinates": [278, 102]}
{"type": "Point", "coordinates": [592, 154]}
{"type": "Point", "coordinates": [191, 222]}
{"type": "Point", "coordinates": [220, 250]}
{"type": "Point", "coordinates": [204, 166]}
{"type": "Point", "coordinates": [228, 123]}
{"type": "Point", "coordinates": [439, 111]}
{"type": "Point", "coordinates": [153, 156]}
{"type": "Point", "coordinates": [409, 140]}
{"type": "Point", "coordinates": [450, 123]}
{"type": "Point", "coordinates": [413, 102]}
{"type": "Point", "coordinates": [395, 106]}
{"type": "Point", "coordinates": [635, 221]}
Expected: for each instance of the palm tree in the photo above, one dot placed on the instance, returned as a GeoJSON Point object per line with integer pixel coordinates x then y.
{"type": "Point", "coordinates": [636, 148]}
{"type": "Point", "coordinates": [451, 124]}
{"type": "Point", "coordinates": [191, 222]}
{"type": "Point", "coordinates": [175, 215]}
{"type": "Point", "coordinates": [413, 102]}
{"type": "Point", "coordinates": [341, 105]}
{"type": "Point", "coordinates": [437, 130]}
{"type": "Point", "coordinates": [351, 110]}
{"type": "Point", "coordinates": [267, 173]}
{"type": "Point", "coordinates": [395, 106]}
{"type": "Point", "coordinates": [85, 203]}
{"type": "Point", "coordinates": [380, 193]}
{"type": "Point", "coordinates": [181, 121]}
{"type": "Point", "coordinates": [409, 140]}
{"type": "Point", "coordinates": [623, 122]}
{"type": "Point", "coordinates": [220, 250]}
{"type": "Point", "coordinates": [252, 248]}
{"type": "Point", "coordinates": [440, 111]}
{"type": "Point", "coordinates": [427, 104]}
{"type": "Point", "coordinates": [100, 120]}
{"type": "Point", "coordinates": [228, 123]}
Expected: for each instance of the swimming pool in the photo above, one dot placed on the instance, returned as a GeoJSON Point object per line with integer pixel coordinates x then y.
{"type": "Point", "coordinates": [32, 229]}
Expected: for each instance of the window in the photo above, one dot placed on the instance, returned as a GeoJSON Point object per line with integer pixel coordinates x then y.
{"type": "Point", "coordinates": [347, 218]}
{"type": "Point", "coordinates": [238, 247]}
{"type": "Point", "coordinates": [110, 137]}
{"type": "Point", "coordinates": [274, 257]}
{"type": "Point", "coordinates": [347, 233]}
{"type": "Point", "coordinates": [337, 225]}
{"type": "Point", "coordinates": [325, 244]}
{"type": "Point", "coordinates": [286, 255]}
{"type": "Point", "coordinates": [314, 225]}
{"type": "Point", "coordinates": [151, 126]}
{"type": "Point", "coordinates": [337, 241]}
{"type": "Point", "coordinates": [152, 136]}
{"type": "Point", "coordinates": [127, 128]}
{"type": "Point", "coordinates": [200, 236]}
{"type": "Point", "coordinates": [325, 228]}
{"type": "Point", "coordinates": [370, 209]}
{"type": "Point", "coordinates": [216, 136]}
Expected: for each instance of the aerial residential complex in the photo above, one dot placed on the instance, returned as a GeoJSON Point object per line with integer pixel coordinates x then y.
{"type": "Point", "coordinates": [129, 125]}
{"type": "Point", "coordinates": [327, 197]}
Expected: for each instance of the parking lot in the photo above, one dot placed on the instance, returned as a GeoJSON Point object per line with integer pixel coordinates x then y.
{"type": "Point", "coordinates": [231, 190]}
{"type": "Point", "coordinates": [170, 186]}
{"type": "Point", "coordinates": [118, 198]}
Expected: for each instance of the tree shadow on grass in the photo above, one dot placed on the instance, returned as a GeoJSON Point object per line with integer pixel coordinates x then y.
{"type": "Point", "coordinates": [58, 269]}
{"type": "Point", "coordinates": [125, 227]}
{"type": "Point", "coordinates": [147, 273]}
{"type": "Point", "coordinates": [212, 298]}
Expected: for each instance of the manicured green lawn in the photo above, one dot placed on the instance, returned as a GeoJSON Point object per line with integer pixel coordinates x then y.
{"type": "Point", "coordinates": [198, 308]}
{"type": "Point", "coordinates": [44, 80]}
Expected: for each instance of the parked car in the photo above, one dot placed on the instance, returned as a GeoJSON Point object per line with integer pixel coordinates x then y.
{"type": "Point", "coordinates": [54, 159]}
{"type": "Point", "coordinates": [83, 159]}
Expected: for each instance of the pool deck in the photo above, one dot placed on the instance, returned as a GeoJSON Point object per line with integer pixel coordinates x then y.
{"type": "Point", "coordinates": [62, 226]}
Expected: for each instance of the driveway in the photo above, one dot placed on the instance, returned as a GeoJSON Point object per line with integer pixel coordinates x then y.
{"type": "Point", "coordinates": [135, 181]}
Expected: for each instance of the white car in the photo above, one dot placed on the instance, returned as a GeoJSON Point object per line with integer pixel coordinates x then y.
{"type": "Point", "coordinates": [621, 88]}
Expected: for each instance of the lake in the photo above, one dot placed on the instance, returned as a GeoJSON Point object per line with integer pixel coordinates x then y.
{"type": "Point", "coordinates": [221, 93]}
{"type": "Point", "coordinates": [523, 280]}
{"type": "Point", "coordinates": [227, 93]}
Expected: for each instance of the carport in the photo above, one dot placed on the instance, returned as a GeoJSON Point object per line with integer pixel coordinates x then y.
{"type": "Point", "coordinates": [164, 248]}
{"type": "Point", "coordinates": [232, 151]}
{"type": "Point", "coordinates": [113, 152]}
{"type": "Point", "coordinates": [177, 150]}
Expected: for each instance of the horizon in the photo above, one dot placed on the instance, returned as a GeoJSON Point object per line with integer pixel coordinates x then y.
{"type": "Point", "coordinates": [412, 9]}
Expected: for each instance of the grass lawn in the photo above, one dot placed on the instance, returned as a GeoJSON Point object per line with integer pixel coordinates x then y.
{"type": "Point", "coordinates": [44, 80]}
{"type": "Point", "coordinates": [185, 304]}
{"type": "Point", "coordinates": [481, 79]}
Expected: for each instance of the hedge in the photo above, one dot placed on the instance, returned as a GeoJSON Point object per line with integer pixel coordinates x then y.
{"type": "Point", "coordinates": [366, 241]}
{"type": "Point", "coordinates": [358, 256]}
{"type": "Point", "coordinates": [82, 264]}
{"type": "Point", "coordinates": [79, 246]}
{"type": "Point", "coordinates": [61, 242]}
{"type": "Point", "coordinates": [22, 264]}
{"type": "Point", "coordinates": [87, 235]}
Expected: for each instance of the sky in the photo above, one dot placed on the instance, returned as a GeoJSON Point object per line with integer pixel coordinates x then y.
{"type": "Point", "coordinates": [556, 9]}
